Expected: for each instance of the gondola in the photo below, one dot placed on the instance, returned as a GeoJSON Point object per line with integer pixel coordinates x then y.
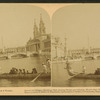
{"type": "Point", "coordinates": [43, 76]}
{"type": "Point", "coordinates": [87, 76]}
{"type": "Point", "coordinates": [77, 75]}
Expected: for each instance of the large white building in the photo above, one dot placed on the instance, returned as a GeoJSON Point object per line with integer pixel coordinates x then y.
{"type": "Point", "coordinates": [41, 42]}
{"type": "Point", "coordinates": [58, 50]}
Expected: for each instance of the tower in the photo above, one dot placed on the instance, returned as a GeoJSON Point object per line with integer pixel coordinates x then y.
{"type": "Point", "coordinates": [41, 26]}
{"type": "Point", "coordinates": [35, 32]}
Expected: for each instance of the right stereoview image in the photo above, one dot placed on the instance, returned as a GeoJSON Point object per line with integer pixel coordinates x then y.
{"type": "Point", "coordinates": [76, 46]}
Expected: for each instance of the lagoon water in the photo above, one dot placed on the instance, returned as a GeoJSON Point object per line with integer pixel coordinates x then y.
{"type": "Point", "coordinates": [60, 77]}
{"type": "Point", "coordinates": [25, 63]}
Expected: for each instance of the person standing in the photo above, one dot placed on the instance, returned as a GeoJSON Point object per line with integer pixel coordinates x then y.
{"type": "Point", "coordinates": [44, 68]}
{"type": "Point", "coordinates": [84, 69]}
{"type": "Point", "coordinates": [49, 63]}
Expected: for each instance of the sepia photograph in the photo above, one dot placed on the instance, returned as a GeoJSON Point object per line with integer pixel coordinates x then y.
{"type": "Point", "coordinates": [49, 49]}
{"type": "Point", "coordinates": [76, 46]}
{"type": "Point", "coordinates": [25, 46]}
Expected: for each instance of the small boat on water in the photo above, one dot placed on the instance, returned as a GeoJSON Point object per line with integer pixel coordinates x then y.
{"type": "Point", "coordinates": [34, 55]}
{"type": "Point", "coordinates": [4, 57]}
{"type": "Point", "coordinates": [89, 58]}
{"type": "Point", "coordinates": [18, 56]}
{"type": "Point", "coordinates": [98, 57]}
{"type": "Point", "coordinates": [87, 76]}
{"type": "Point", "coordinates": [43, 76]}
{"type": "Point", "coordinates": [77, 75]}
{"type": "Point", "coordinates": [72, 60]}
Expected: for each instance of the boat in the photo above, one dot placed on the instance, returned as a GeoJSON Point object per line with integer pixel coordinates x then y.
{"type": "Point", "coordinates": [4, 58]}
{"type": "Point", "coordinates": [89, 58]}
{"type": "Point", "coordinates": [87, 76]}
{"type": "Point", "coordinates": [98, 57]}
{"type": "Point", "coordinates": [43, 76]}
{"type": "Point", "coordinates": [34, 55]}
{"type": "Point", "coordinates": [77, 59]}
{"type": "Point", "coordinates": [18, 56]}
{"type": "Point", "coordinates": [77, 75]}
{"type": "Point", "coordinates": [70, 71]}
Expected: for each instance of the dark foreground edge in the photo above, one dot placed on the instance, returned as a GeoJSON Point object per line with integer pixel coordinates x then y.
{"type": "Point", "coordinates": [50, 98]}
{"type": "Point", "coordinates": [49, 1]}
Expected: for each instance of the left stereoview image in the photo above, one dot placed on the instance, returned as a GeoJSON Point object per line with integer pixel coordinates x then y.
{"type": "Point", "coordinates": [25, 46]}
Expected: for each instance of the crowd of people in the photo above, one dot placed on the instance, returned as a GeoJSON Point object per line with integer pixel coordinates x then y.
{"type": "Point", "coordinates": [34, 70]}
{"type": "Point", "coordinates": [22, 71]}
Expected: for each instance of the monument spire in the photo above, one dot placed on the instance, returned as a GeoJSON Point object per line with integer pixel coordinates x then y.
{"type": "Point", "coordinates": [35, 32]}
{"type": "Point", "coordinates": [41, 26]}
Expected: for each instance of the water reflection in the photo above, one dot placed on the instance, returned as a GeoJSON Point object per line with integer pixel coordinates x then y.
{"type": "Point", "coordinates": [82, 83]}
{"type": "Point", "coordinates": [23, 83]}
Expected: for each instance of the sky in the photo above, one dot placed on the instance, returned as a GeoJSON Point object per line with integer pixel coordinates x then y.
{"type": "Point", "coordinates": [16, 23]}
{"type": "Point", "coordinates": [80, 24]}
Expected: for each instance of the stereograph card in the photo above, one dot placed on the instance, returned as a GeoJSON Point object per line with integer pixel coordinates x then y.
{"type": "Point", "coordinates": [49, 49]}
